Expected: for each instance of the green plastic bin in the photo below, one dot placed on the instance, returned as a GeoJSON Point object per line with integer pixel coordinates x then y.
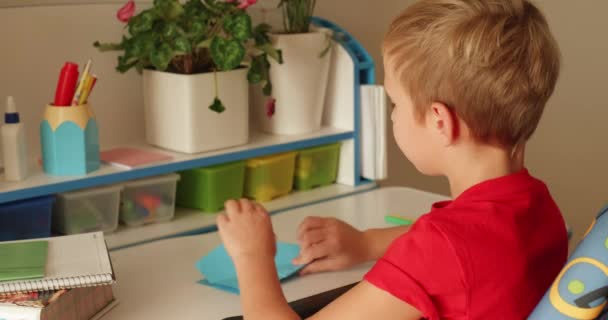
{"type": "Point", "coordinates": [317, 166]}
{"type": "Point", "coordinates": [270, 177]}
{"type": "Point", "coordinates": [209, 188]}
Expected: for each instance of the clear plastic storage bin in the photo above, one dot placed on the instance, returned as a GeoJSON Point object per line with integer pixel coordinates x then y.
{"type": "Point", "coordinates": [88, 210]}
{"type": "Point", "coordinates": [148, 200]}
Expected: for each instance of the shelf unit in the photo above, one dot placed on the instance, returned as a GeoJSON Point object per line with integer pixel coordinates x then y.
{"type": "Point", "coordinates": [351, 67]}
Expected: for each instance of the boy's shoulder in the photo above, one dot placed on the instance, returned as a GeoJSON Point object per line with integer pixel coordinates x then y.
{"type": "Point", "coordinates": [517, 194]}
{"type": "Point", "coordinates": [510, 209]}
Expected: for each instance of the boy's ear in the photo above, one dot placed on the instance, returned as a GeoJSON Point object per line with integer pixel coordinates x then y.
{"type": "Point", "coordinates": [445, 121]}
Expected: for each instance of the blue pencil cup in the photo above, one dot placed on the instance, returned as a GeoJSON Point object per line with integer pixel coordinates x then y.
{"type": "Point", "coordinates": [70, 141]}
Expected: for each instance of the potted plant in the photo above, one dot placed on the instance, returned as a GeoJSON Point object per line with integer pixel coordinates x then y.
{"type": "Point", "coordinates": [300, 82]}
{"type": "Point", "coordinates": [197, 58]}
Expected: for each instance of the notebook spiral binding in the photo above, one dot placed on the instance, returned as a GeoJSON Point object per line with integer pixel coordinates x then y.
{"type": "Point", "coordinates": [56, 284]}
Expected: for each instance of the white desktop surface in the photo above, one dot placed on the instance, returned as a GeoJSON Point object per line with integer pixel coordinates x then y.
{"type": "Point", "coordinates": [158, 280]}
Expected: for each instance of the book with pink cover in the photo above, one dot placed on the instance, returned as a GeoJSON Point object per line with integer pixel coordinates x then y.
{"type": "Point", "coordinates": [130, 158]}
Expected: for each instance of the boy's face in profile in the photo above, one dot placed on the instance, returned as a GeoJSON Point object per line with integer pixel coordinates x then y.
{"type": "Point", "coordinates": [415, 137]}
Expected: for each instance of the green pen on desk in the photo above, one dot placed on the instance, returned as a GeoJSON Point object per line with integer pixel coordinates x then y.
{"type": "Point", "coordinates": [397, 220]}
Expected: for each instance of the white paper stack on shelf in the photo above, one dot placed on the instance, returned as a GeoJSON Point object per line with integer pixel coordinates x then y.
{"type": "Point", "coordinates": [373, 132]}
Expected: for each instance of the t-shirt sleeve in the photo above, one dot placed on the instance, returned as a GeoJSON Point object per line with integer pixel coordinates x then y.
{"type": "Point", "coordinates": [419, 268]}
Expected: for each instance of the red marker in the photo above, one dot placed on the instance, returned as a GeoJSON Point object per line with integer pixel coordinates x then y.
{"type": "Point", "coordinates": [66, 86]}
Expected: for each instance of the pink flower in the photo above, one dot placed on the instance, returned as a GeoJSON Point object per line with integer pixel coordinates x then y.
{"type": "Point", "coordinates": [246, 3]}
{"type": "Point", "coordinates": [126, 12]}
{"type": "Point", "coordinates": [270, 107]}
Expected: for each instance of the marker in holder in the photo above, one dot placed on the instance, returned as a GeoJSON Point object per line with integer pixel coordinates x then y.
{"type": "Point", "coordinates": [70, 140]}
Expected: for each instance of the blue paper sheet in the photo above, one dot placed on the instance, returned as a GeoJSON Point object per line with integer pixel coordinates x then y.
{"type": "Point", "coordinates": [219, 271]}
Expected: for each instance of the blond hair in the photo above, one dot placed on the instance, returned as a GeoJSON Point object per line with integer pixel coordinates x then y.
{"type": "Point", "coordinates": [494, 62]}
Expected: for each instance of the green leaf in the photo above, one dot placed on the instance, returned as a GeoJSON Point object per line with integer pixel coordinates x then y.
{"type": "Point", "coordinates": [170, 30]}
{"type": "Point", "coordinates": [169, 9]}
{"type": "Point", "coordinates": [326, 50]}
{"type": "Point", "coordinates": [126, 59]}
{"type": "Point", "coordinates": [260, 34]}
{"type": "Point", "coordinates": [182, 46]}
{"type": "Point", "coordinates": [142, 45]}
{"type": "Point", "coordinates": [263, 28]}
{"type": "Point", "coordinates": [268, 89]}
{"type": "Point", "coordinates": [329, 40]}
{"type": "Point", "coordinates": [123, 65]}
{"type": "Point", "coordinates": [238, 25]}
{"type": "Point", "coordinates": [197, 28]}
{"type": "Point", "coordinates": [227, 54]}
{"type": "Point", "coordinates": [297, 14]}
{"type": "Point", "coordinates": [273, 52]}
{"type": "Point", "coordinates": [108, 46]}
{"type": "Point", "coordinates": [217, 106]}
{"type": "Point", "coordinates": [204, 44]}
{"type": "Point", "coordinates": [193, 7]}
{"type": "Point", "coordinates": [142, 22]}
{"type": "Point", "coordinates": [161, 57]}
{"type": "Point", "coordinates": [141, 64]}
{"type": "Point", "coordinates": [212, 6]}
{"type": "Point", "coordinates": [258, 71]}
{"type": "Point", "coordinates": [262, 42]}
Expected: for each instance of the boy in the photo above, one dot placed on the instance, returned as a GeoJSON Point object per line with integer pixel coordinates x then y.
{"type": "Point", "coordinates": [469, 80]}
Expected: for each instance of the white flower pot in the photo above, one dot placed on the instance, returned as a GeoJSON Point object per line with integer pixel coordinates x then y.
{"type": "Point", "coordinates": [177, 110]}
{"type": "Point", "coordinates": [299, 85]}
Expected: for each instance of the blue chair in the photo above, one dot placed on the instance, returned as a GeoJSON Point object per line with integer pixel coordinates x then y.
{"type": "Point", "coordinates": [581, 288]}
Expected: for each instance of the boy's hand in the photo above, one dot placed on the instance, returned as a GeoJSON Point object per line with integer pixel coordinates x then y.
{"type": "Point", "coordinates": [330, 244]}
{"type": "Point", "coordinates": [246, 230]}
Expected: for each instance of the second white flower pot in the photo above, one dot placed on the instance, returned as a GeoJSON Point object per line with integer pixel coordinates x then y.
{"type": "Point", "coordinates": [299, 85]}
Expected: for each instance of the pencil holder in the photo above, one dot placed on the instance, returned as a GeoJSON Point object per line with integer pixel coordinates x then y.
{"type": "Point", "coordinates": [70, 140]}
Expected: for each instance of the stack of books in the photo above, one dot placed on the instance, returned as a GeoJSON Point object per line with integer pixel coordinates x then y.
{"type": "Point", "coordinates": [60, 278]}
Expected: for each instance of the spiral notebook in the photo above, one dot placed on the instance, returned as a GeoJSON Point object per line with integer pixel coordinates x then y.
{"type": "Point", "coordinates": [72, 262]}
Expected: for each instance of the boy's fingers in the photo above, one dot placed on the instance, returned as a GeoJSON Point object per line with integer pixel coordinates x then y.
{"type": "Point", "coordinates": [310, 223]}
{"type": "Point", "coordinates": [317, 266]}
{"type": "Point", "coordinates": [311, 253]}
{"type": "Point", "coordinates": [259, 208]}
{"type": "Point", "coordinates": [312, 237]}
{"type": "Point", "coordinates": [232, 207]}
{"type": "Point", "coordinates": [221, 219]}
{"type": "Point", "coordinates": [246, 205]}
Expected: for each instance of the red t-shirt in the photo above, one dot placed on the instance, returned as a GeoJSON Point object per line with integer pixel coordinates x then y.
{"type": "Point", "coordinates": [489, 254]}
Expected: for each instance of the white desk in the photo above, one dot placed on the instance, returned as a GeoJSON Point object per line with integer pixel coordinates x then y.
{"type": "Point", "coordinates": [159, 281]}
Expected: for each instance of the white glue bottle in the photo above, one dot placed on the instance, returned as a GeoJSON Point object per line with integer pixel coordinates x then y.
{"type": "Point", "coordinates": [13, 144]}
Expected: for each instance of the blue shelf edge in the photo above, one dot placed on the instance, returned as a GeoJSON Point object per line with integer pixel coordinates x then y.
{"type": "Point", "coordinates": [118, 177]}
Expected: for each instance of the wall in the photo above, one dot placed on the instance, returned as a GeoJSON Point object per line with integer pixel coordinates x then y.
{"type": "Point", "coordinates": [38, 40]}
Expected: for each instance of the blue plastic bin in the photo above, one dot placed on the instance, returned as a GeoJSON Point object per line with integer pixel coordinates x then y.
{"type": "Point", "coordinates": [26, 219]}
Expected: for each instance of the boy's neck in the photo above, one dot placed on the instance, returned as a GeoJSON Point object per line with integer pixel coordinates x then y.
{"type": "Point", "coordinates": [481, 163]}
